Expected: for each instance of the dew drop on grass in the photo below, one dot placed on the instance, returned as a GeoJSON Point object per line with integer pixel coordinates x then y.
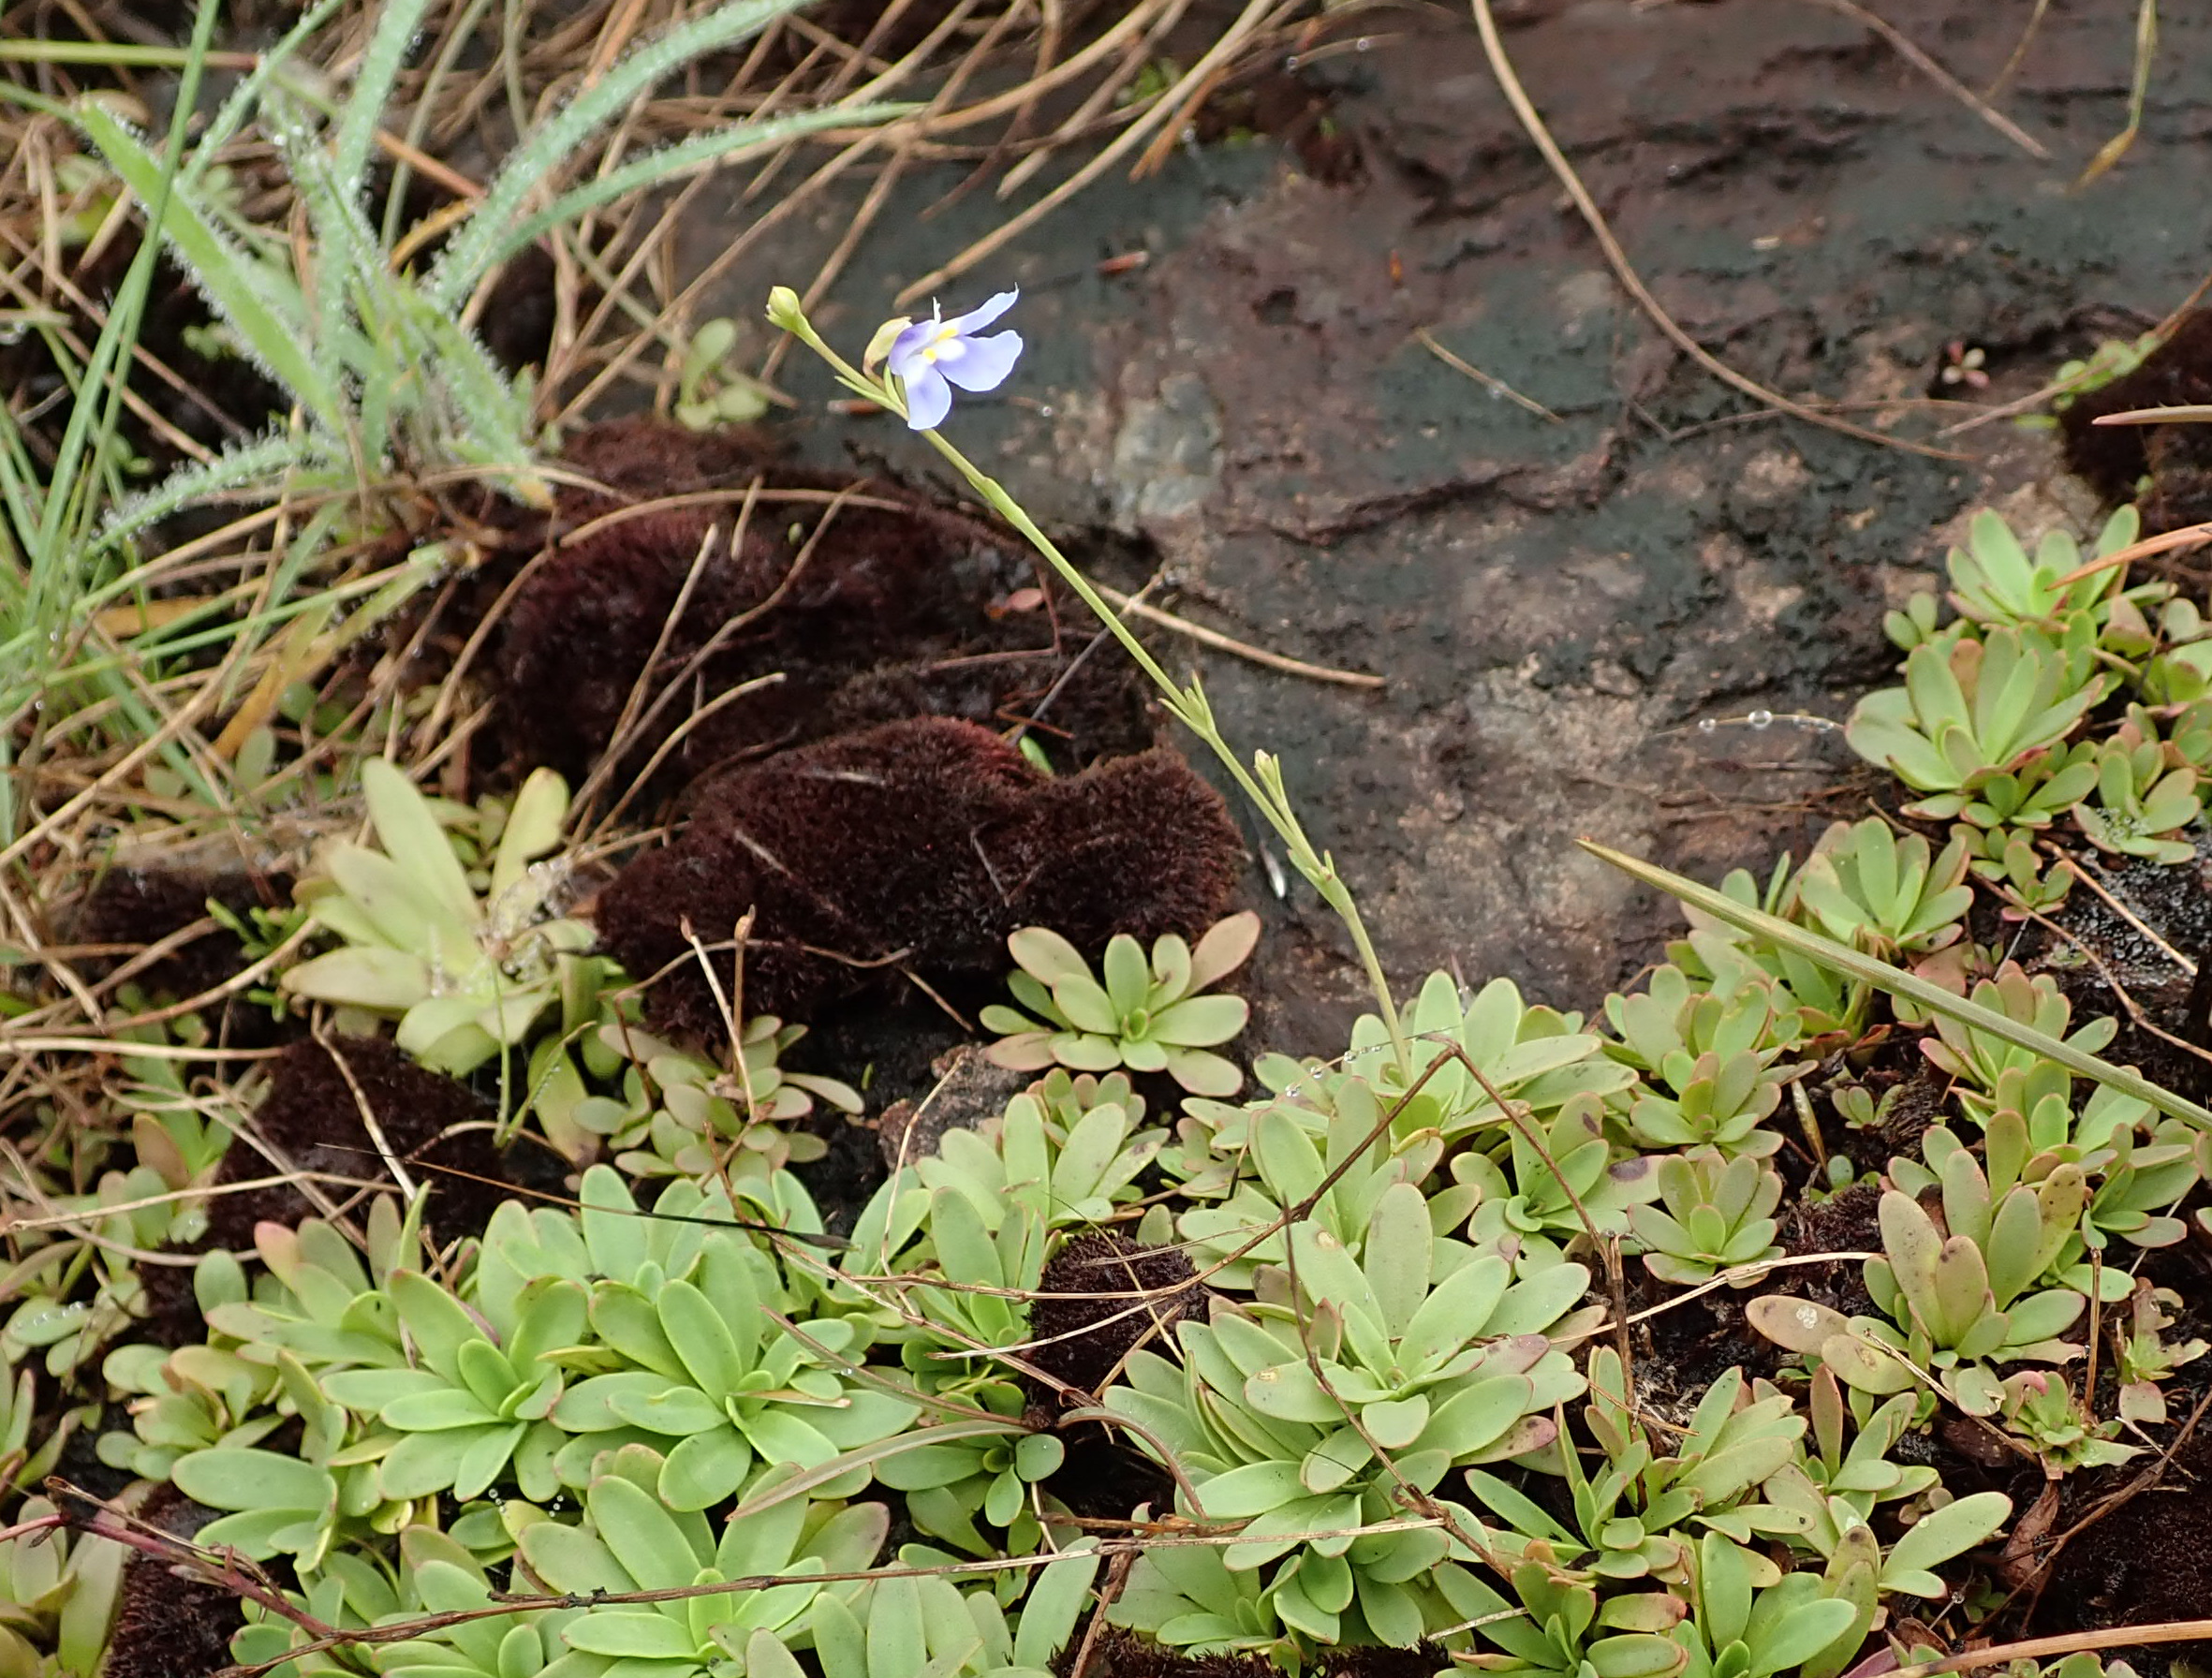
{"type": "Point", "coordinates": [1762, 719]}
{"type": "Point", "coordinates": [1706, 725]}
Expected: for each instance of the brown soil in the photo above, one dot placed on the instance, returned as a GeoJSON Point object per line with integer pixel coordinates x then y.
{"type": "Point", "coordinates": [2177, 459]}
{"type": "Point", "coordinates": [1084, 1341]}
{"type": "Point", "coordinates": [130, 908]}
{"type": "Point", "coordinates": [969, 1089]}
{"type": "Point", "coordinates": [168, 1625]}
{"type": "Point", "coordinates": [2148, 1561]}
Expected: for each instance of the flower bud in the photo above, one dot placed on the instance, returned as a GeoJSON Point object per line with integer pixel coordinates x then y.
{"type": "Point", "coordinates": [783, 310]}
{"type": "Point", "coordinates": [879, 345]}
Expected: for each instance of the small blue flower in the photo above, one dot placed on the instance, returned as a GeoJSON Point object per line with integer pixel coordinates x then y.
{"type": "Point", "coordinates": [932, 356]}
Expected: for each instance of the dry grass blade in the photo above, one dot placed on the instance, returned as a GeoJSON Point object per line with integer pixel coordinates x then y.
{"type": "Point", "coordinates": [2189, 413]}
{"type": "Point", "coordinates": [1496, 386]}
{"type": "Point", "coordinates": [1517, 96]}
{"type": "Point", "coordinates": [1221, 643]}
{"type": "Point", "coordinates": [2147, 49]}
{"type": "Point", "coordinates": [2189, 535]}
{"type": "Point", "coordinates": [2003, 78]}
{"type": "Point", "coordinates": [2072, 1642]}
{"type": "Point", "coordinates": [1912, 53]}
{"type": "Point", "coordinates": [1169, 107]}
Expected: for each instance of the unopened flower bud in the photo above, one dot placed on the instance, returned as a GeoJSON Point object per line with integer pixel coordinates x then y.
{"type": "Point", "coordinates": [784, 309]}
{"type": "Point", "coordinates": [879, 345]}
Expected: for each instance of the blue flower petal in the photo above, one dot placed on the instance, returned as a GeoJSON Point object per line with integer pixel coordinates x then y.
{"type": "Point", "coordinates": [983, 363]}
{"type": "Point", "coordinates": [905, 356]}
{"type": "Point", "coordinates": [929, 398]}
{"type": "Point", "coordinates": [975, 320]}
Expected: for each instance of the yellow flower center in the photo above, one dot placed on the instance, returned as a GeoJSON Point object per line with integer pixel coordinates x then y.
{"type": "Point", "coordinates": [945, 336]}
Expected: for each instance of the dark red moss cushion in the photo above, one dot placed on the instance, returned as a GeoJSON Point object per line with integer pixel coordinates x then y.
{"type": "Point", "coordinates": [919, 844]}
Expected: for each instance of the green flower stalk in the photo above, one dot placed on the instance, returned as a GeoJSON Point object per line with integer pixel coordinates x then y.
{"type": "Point", "coordinates": [1261, 782]}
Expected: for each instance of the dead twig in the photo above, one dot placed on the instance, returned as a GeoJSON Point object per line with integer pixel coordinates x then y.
{"type": "Point", "coordinates": [1911, 52]}
{"type": "Point", "coordinates": [1517, 96]}
{"type": "Point", "coordinates": [1496, 386]}
{"type": "Point", "coordinates": [1130, 605]}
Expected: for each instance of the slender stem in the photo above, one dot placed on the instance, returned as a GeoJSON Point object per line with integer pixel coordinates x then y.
{"type": "Point", "coordinates": [1261, 783]}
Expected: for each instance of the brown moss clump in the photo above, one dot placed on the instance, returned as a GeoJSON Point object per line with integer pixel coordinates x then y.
{"type": "Point", "coordinates": [2146, 1562]}
{"type": "Point", "coordinates": [1375, 1661]}
{"type": "Point", "coordinates": [919, 843]}
{"type": "Point", "coordinates": [130, 908]}
{"type": "Point", "coordinates": [1124, 1654]}
{"type": "Point", "coordinates": [2176, 458]}
{"type": "Point", "coordinates": [313, 1118]}
{"type": "Point", "coordinates": [313, 1121]}
{"type": "Point", "coordinates": [1084, 1341]}
{"type": "Point", "coordinates": [896, 610]}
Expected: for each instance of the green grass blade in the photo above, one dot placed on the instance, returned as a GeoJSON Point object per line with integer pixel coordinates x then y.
{"type": "Point", "coordinates": [109, 374]}
{"type": "Point", "coordinates": [1896, 981]}
{"type": "Point", "coordinates": [548, 146]}
{"type": "Point", "coordinates": [237, 284]}
{"type": "Point", "coordinates": [231, 116]}
{"type": "Point", "coordinates": [59, 563]}
{"type": "Point", "coordinates": [722, 146]}
{"type": "Point", "coordinates": [381, 62]}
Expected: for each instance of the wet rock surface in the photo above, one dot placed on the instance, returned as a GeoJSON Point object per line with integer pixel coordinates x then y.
{"type": "Point", "coordinates": [1558, 606]}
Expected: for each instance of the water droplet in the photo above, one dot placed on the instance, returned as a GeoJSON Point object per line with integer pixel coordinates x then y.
{"type": "Point", "coordinates": [1762, 719]}
{"type": "Point", "coordinates": [1290, 63]}
{"type": "Point", "coordinates": [1363, 44]}
{"type": "Point", "coordinates": [1706, 725]}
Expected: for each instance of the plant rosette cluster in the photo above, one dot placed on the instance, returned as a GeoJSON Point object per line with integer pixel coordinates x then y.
{"type": "Point", "coordinates": [1985, 726]}
{"type": "Point", "coordinates": [1867, 886]}
{"type": "Point", "coordinates": [570, 1337]}
{"type": "Point", "coordinates": [1143, 1014]}
{"type": "Point", "coordinates": [1955, 1307]}
{"type": "Point", "coordinates": [1711, 1058]}
{"type": "Point", "coordinates": [467, 967]}
{"type": "Point", "coordinates": [613, 1399]}
{"type": "Point", "coordinates": [1311, 1417]}
{"type": "Point", "coordinates": [679, 1115]}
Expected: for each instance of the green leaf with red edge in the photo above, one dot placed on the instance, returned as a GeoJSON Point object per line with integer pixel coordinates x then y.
{"type": "Point", "coordinates": [1201, 1021]}
{"type": "Point", "coordinates": [1084, 1001]}
{"type": "Point", "coordinates": [1128, 975]}
{"type": "Point", "coordinates": [1961, 1290]}
{"type": "Point", "coordinates": [1046, 955]}
{"type": "Point", "coordinates": [1225, 947]}
{"type": "Point", "coordinates": [1795, 1325]}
